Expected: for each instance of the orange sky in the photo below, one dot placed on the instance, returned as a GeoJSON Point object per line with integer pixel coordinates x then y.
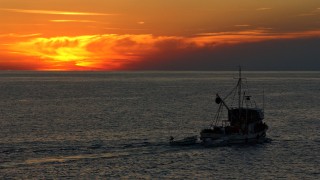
{"type": "Point", "coordinates": [117, 34]}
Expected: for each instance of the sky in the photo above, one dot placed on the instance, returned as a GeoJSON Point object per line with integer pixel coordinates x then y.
{"type": "Point", "coordinates": [111, 35]}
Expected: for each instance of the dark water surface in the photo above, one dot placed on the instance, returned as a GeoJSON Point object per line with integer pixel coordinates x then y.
{"type": "Point", "coordinates": [117, 125]}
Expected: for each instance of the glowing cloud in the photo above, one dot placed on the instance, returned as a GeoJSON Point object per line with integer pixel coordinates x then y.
{"type": "Point", "coordinates": [56, 12]}
{"type": "Point", "coordinates": [312, 13]}
{"type": "Point", "coordinates": [19, 35]}
{"type": "Point", "coordinates": [263, 9]}
{"type": "Point", "coordinates": [249, 36]}
{"type": "Point", "coordinates": [71, 20]}
{"type": "Point", "coordinates": [93, 52]}
{"type": "Point", "coordinates": [242, 25]}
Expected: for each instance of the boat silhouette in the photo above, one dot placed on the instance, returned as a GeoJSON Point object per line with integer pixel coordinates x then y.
{"type": "Point", "coordinates": [244, 123]}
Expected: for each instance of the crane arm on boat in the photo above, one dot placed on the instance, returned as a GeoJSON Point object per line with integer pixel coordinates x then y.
{"type": "Point", "coordinates": [219, 100]}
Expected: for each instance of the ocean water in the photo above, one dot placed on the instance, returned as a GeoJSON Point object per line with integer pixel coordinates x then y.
{"type": "Point", "coordinates": [111, 125]}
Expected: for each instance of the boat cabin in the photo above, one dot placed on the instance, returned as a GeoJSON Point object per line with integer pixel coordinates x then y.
{"type": "Point", "coordinates": [238, 116]}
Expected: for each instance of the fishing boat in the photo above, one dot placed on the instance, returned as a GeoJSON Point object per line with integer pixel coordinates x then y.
{"type": "Point", "coordinates": [243, 119]}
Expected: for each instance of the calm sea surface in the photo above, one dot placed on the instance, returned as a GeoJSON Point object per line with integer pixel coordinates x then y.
{"type": "Point", "coordinates": [117, 124]}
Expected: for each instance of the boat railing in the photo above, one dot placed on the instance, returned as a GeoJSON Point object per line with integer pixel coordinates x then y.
{"type": "Point", "coordinates": [225, 123]}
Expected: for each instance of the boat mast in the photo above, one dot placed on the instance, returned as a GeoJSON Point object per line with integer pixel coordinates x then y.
{"type": "Point", "coordinates": [263, 100]}
{"type": "Point", "coordinates": [239, 93]}
{"type": "Point", "coordinates": [239, 88]}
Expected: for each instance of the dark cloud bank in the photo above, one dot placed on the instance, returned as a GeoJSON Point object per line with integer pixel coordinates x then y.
{"type": "Point", "coordinates": [273, 55]}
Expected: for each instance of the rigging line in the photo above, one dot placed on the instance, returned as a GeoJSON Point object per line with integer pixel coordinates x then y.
{"type": "Point", "coordinates": [233, 90]}
{"type": "Point", "coordinates": [243, 99]}
{"type": "Point", "coordinates": [233, 98]}
{"type": "Point", "coordinates": [217, 116]}
{"type": "Point", "coordinates": [221, 116]}
{"type": "Point", "coordinates": [247, 89]}
{"type": "Point", "coordinates": [230, 92]}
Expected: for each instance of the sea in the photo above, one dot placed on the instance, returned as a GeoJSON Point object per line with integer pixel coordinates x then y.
{"type": "Point", "coordinates": [117, 125]}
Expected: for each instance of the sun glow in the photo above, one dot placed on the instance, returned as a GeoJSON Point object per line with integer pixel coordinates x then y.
{"type": "Point", "coordinates": [107, 51]}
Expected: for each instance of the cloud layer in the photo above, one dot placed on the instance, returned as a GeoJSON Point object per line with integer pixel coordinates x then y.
{"type": "Point", "coordinates": [255, 48]}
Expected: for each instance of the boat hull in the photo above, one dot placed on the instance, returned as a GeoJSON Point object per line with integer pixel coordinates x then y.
{"type": "Point", "coordinates": [237, 138]}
